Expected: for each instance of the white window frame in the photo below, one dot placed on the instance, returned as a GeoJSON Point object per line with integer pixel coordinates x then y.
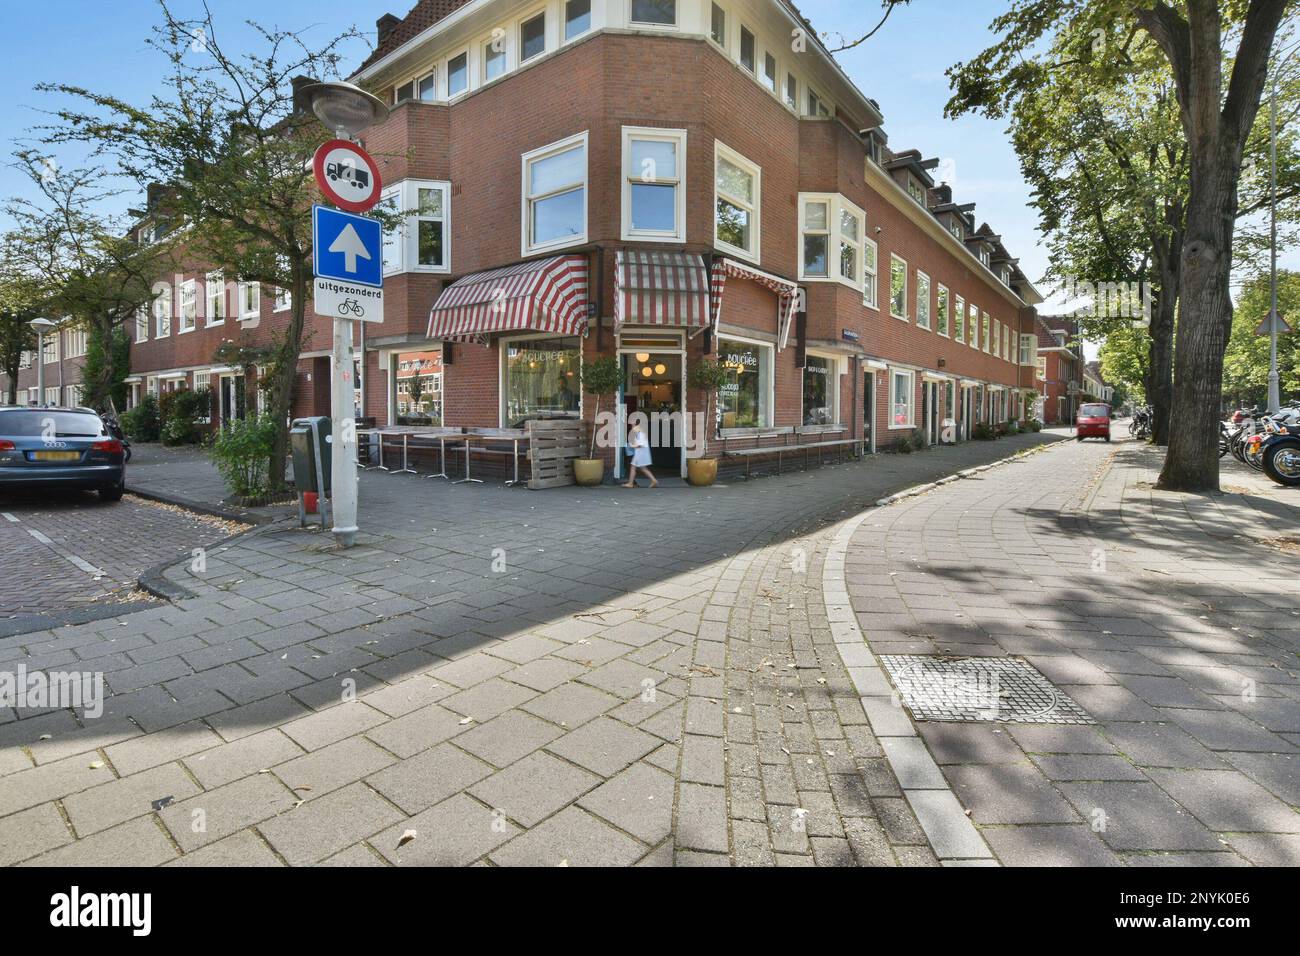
{"type": "Point", "coordinates": [959, 315]}
{"type": "Point", "coordinates": [467, 53]}
{"type": "Point", "coordinates": [767, 376]}
{"type": "Point", "coordinates": [790, 92]}
{"type": "Point", "coordinates": [483, 44]}
{"type": "Point", "coordinates": [520, 23]}
{"type": "Point", "coordinates": [214, 293]}
{"type": "Point", "coordinates": [187, 320]}
{"type": "Point", "coordinates": [924, 288]}
{"type": "Point", "coordinates": [721, 44]}
{"type": "Point", "coordinates": [1028, 345]}
{"type": "Point", "coordinates": [752, 68]}
{"type": "Point", "coordinates": [162, 314]}
{"type": "Point", "coordinates": [911, 398]}
{"type": "Point", "coordinates": [943, 310]}
{"type": "Point", "coordinates": [564, 22]}
{"type": "Point", "coordinates": [142, 316]}
{"type": "Point", "coordinates": [722, 151]}
{"type": "Point", "coordinates": [50, 350]}
{"type": "Point", "coordinates": [896, 258]}
{"type": "Point", "coordinates": [837, 206]}
{"type": "Point", "coordinates": [771, 82]}
{"type": "Point", "coordinates": [986, 327]}
{"type": "Point", "coordinates": [245, 313]}
{"type": "Point", "coordinates": [75, 344]}
{"type": "Point", "coordinates": [832, 384]}
{"type": "Point", "coordinates": [413, 85]}
{"type": "Point", "coordinates": [871, 277]}
{"type": "Point", "coordinates": [973, 320]}
{"type": "Point", "coordinates": [677, 18]}
{"type": "Point", "coordinates": [647, 133]}
{"type": "Point", "coordinates": [527, 246]}
{"type": "Point", "coordinates": [407, 194]}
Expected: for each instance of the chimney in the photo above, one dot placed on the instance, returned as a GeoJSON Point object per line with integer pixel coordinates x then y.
{"type": "Point", "coordinates": [385, 26]}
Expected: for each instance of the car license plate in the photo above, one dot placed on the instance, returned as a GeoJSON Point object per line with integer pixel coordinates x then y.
{"type": "Point", "coordinates": [56, 456]}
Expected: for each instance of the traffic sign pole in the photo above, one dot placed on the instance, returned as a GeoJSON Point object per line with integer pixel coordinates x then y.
{"type": "Point", "coordinates": [344, 437]}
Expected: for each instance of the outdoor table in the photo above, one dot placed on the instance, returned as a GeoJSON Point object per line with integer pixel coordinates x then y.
{"type": "Point", "coordinates": [515, 455]}
{"type": "Point", "coordinates": [442, 459]}
{"type": "Point", "coordinates": [368, 432]}
{"type": "Point", "coordinates": [460, 481]}
{"type": "Point", "coordinates": [394, 432]}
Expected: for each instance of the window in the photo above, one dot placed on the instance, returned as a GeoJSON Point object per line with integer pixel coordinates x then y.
{"type": "Point", "coordinates": [902, 399]}
{"type": "Point", "coordinates": [424, 89]}
{"type": "Point", "coordinates": [215, 285]}
{"type": "Point", "coordinates": [955, 228]}
{"type": "Point", "coordinates": [973, 314]}
{"type": "Point", "coordinates": [816, 239]}
{"type": "Point", "coordinates": [791, 92]}
{"type": "Point", "coordinates": [50, 350]}
{"type": "Point", "coordinates": [897, 288]}
{"type": "Point", "coordinates": [555, 195]}
{"type": "Point", "coordinates": [75, 343]}
{"type": "Point", "coordinates": [250, 300]}
{"type": "Point", "coordinates": [541, 378]}
{"type": "Point", "coordinates": [747, 49]}
{"type": "Point", "coordinates": [532, 37]}
{"type": "Point", "coordinates": [916, 190]}
{"type": "Point", "coordinates": [1042, 368]}
{"type": "Point", "coordinates": [654, 197]}
{"type": "Point", "coordinates": [1027, 343]}
{"type": "Point", "coordinates": [142, 324]}
{"type": "Point", "coordinates": [820, 390]}
{"type": "Point", "coordinates": [984, 328]}
{"type": "Point", "coordinates": [151, 385]}
{"type": "Point", "coordinates": [577, 18]}
{"type": "Point", "coordinates": [494, 56]}
{"type": "Point", "coordinates": [743, 400]}
{"type": "Point", "coordinates": [657, 12]}
{"type": "Point", "coordinates": [162, 313]}
{"type": "Point", "coordinates": [737, 188]}
{"type": "Point", "coordinates": [283, 294]}
{"type": "Point", "coordinates": [1006, 342]}
{"type": "Point", "coordinates": [870, 279]}
{"type": "Point", "coordinates": [458, 74]}
{"type": "Point", "coordinates": [851, 224]}
{"type": "Point", "coordinates": [922, 300]}
{"type": "Point", "coordinates": [814, 103]}
{"type": "Point", "coordinates": [189, 306]}
{"type": "Point", "coordinates": [420, 244]}
{"type": "Point", "coordinates": [718, 27]}
{"type": "Point", "coordinates": [941, 309]}
{"type": "Point", "coordinates": [959, 318]}
{"type": "Point", "coordinates": [997, 338]}
{"type": "Point", "coordinates": [769, 71]}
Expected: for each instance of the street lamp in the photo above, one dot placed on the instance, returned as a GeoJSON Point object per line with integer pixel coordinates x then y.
{"type": "Point", "coordinates": [41, 325]}
{"type": "Point", "coordinates": [346, 110]}
{"type": "Point", "coordinates": [1274, 384]}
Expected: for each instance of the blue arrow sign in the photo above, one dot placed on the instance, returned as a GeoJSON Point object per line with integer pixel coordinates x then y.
{"type": "Point", "coordinates": [347, 247]}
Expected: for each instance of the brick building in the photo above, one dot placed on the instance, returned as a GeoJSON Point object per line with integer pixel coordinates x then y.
{"type": "Point", "coordinates": [63, 358]}
{"type": "Point", "coordinates": [661, 181]}
{"type": "Point", "coordinates": [1060, 369]}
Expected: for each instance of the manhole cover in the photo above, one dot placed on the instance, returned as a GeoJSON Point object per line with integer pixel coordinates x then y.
{"type": "Point", "coordinates": [979, 688]}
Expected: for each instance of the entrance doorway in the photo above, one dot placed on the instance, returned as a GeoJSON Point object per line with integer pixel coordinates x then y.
{"type": "Point", "coordinates": [653, 385]}
{"type": "Point", "coordinates": [869, 411]}
{"type": "Point", "coordinates": [233, 399]}
{"type": "Point", "coordinates": [930, 410]}
{"type": "Point", "coordinates": [967, 411]}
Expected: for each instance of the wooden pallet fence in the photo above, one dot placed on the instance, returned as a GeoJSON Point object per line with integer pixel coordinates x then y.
{"type": "Point", "coordinates": [552, 447]}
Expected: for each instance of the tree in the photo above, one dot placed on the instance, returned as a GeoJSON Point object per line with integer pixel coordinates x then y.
{"type": "Point", "coordinates": [16, 337]}
{"type": "Point", "coordinates": [415, 387]}
{"type": "Point", "coordinates": [234, 150]}
{"type": "Point", "coordinates": [1245, 365]}
{"type": "Point", "coordinates": [1125, 360]}
{"type": "Point", "coordinates": [1218, 85]}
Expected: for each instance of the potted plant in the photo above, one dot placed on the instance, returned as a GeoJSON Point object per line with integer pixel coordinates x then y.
{"type": "Point", "coordinates": [604, 376]}
{"type": "Point", "coordinates": [709, 376]}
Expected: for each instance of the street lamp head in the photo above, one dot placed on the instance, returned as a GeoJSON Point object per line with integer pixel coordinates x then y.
{"type": "Point", "coordinates": [42, 324]}
{"type": "Point", "coordinates": [344, 108]}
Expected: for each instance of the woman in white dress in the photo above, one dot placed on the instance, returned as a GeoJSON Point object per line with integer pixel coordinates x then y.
{"type": "Point", "coordinates": [639, 446]}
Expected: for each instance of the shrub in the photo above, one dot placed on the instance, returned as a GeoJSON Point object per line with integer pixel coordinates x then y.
{"type": "Point", "coordinates": [982, 432]}
{"type": "Point", "coordinates": [1013, 428]}
{"type": "Point", "coordinates": [1034, 425]}
{"type": "Point", "coordinates": [242, 452]}
{"type": "Point", "coordinates": [142, 423]}
{"type": "Point", "coordinates": [180, 413]}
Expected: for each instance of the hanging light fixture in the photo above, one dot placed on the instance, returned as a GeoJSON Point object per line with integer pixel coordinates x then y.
{"type": "Point", "coordinates": [661, 369]}
{"type": "Point", "coordinates": [643, 357]}
{"type": "Point", "coordinates": [647, 372]}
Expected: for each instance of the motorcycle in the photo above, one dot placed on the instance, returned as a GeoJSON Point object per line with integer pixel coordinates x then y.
{"type": "Point", "coordinates": [115, 429]}
{"type": "Point", "coordinates": [1279, 452]}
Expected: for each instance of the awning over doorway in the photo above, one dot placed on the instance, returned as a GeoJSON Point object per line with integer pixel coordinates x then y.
{"type": "Point", "coordinates": [786, 291]}
{"type": "Point", "coordinates": [544, 295]}
{"type": "Point", "coordinates": [661, 288]}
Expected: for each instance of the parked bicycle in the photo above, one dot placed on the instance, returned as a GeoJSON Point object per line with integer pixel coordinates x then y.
{"type": "Point", "coordinates": [1140, 426]}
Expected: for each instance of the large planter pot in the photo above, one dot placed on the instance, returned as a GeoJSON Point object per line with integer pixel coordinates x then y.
{"type": "Point", "coordinates": [588, 471]}
{"type": "Point", "coordinates": [702, 471]}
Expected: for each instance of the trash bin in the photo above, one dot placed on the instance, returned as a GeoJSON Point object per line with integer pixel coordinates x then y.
{"type": "Point", "coordinates": [306, 436]}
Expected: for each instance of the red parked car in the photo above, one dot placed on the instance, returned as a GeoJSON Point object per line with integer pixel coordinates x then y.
{"type": "Point", "coordinates": [1093, 421]}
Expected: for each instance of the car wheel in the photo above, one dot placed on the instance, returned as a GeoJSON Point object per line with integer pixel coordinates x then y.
{"type": "Point", "coordinates": [1107, 438]}
{"type": "Point", "coordinates": [111, 493]}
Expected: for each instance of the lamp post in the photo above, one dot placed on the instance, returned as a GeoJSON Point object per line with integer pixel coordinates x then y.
{"type": "Point", "coordinates": [41, 325]}
{"type": "Point", "coordinates": [346, 110]}
{"type": "Point", "coordinates": [1274, 384]}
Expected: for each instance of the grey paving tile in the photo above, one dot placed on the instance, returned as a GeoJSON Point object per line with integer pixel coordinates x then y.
{"type": "Point", "coordinates": [572, 837]}
{"type": "Point", "coordinates": [1138, 816]}
{"type": "Point", "coordinates": [535, 787]}
{"type": "Point", "coordinates": [456, 832]}
{"type": "Point", "coordinates": [1008, 794]}
{"type": "Point", "coordinates": [319, 829]}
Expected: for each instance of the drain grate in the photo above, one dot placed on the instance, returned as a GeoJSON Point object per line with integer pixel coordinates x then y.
{"type": "Point", "coordinates": [979, 689]}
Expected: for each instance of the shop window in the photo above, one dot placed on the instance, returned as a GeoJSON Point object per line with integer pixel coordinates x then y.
{"type": "Point", "coordinates": [737, 191]}
{"type": "Point", "coordinates": [542, 378]}
{"type": "Point", "coordinates": [902, 399]}
{"type": "Point", "coordinates": [555, 195]}
{"type": "Point", "coordinates": [820, 390]}
{"type": "Point", "coordinates": [743, 401]}
{"type": "Point", "coordinates": [654, 197]}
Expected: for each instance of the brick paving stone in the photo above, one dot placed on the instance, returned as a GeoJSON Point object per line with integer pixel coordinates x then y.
{"type": "Point", "coordinates": [537, 786]}
{"type": "Point", "coordinates": [315, 830]}
{"type": "Point", "coordinates": [456, 832]}
{"type": "Point", "coordinates": [214, 814]}
{"type": "Point", "coordinates": [638, 800]}
{"type": "Point", "coordinates": [126, 798]}
{"type": "Point", "coordinates": [140, 842]}
{"type": "Point", "coordinates": [1138, 816]}
{"type": "Point", "coordinates": [31, 832]}
{"type": "Point", "coordinates": [604, 746]}
{"type": "Point", "coordinates": [507, 738]}
{"type": "Point", "coordinates": [322, 771]}
{"type": "Point", "coordinates": [573, 837]}
{"type": "Point", "coordinates": [248, 755]}
{"type": "Point", "coordinates": [244, 848]}
{"type": "Point", "coordinates": [419, 782]}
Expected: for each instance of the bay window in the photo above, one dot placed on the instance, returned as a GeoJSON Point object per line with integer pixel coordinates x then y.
{"type": "Point", "coordinates": [816, 239]}
{"type": "Point", "coordinates": [941, 308]}
{"type": "Point", "coordinates": [737, 191]}
{"type": "Point", "coordinates": [832, 230]}
{"type": "Point", "coordinates": [532, 37]}
{"type": "Point", "coordinates": [743, 401]}
{"type": "Point", "coordinates": [922, 300]}
{"type": "Point", "coordinates": [420, 243]}
{"type": "Point", "coordinates": [654, 197]}
{"type": "Point", "coordinates": [655, 12]}
{"type": "Point", "coordinates": [215, 284]}
{"type": "Point", "coordinates": [902, 399]}
{"type": "Point", "coordinates": [542, 377]}
{"type": "Point", "coordinates": [555, 195]}
{"type": "Point", "coordinates": [870, 277]}
{"type": "Point", "coordinates": [897, 288]}
{"type": "Point", "coordinates": [577, 18]}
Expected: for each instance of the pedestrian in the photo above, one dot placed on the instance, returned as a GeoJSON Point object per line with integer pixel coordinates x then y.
{"type": "Point", "coordinates": [638, 446]}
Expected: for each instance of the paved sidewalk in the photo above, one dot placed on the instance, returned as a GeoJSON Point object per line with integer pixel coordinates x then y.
{"type": "Point", "coordinates": [581, 676]}
{"type": "Point", "coordinates": [1154, 611]}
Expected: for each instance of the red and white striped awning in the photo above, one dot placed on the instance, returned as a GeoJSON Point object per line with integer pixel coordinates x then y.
{"type": "Point", "coordinates": [786, 291]}
{"type": "Point", "coordinates": [544, 295]}
{"type": "Point", "coordinates": [661, 288]}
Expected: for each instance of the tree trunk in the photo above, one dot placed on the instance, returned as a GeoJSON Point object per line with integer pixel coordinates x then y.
{"type": "Point", "coordinates": [1205, 322]}
{"type": "Point", "coordinates": [1160, 370]}
{"type": "Point", "coordinates": [282, 394]}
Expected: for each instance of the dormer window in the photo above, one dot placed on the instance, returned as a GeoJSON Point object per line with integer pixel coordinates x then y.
{"type": "Point", "coordinates": [984, 255]}
{"type": "Point", "coordinates": [916, 190]}
{"type": "Point", "coordinates": [955, 228]}
{"type": "Point", "coordinates": [873, 150]}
